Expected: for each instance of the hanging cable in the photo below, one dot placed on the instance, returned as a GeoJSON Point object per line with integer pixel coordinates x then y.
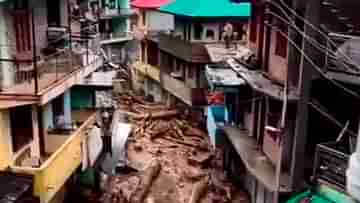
{"type": "Point", "coordinates": [314, 42]}
{"type": "Point", "coordinates": [331, 118]}
{"type": "Point", "coordinates": [315, 66]}
{"type": "Point", "coordinates": [332, 43]}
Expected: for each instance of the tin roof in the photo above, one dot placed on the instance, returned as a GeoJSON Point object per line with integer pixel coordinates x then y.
{"type": "Point", "coordinates": [149, 4]}
{"type": "Point", "coordinates": [205, 9]}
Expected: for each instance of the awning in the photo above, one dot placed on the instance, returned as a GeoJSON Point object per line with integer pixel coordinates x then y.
{"type": "Point", "coordinates": [149, 4]}
{"type": "Point", "coordinates": [223, 78]}
{"type": "Point", "coordinates": [206, 8]}
{"type": "Point", "coordinates": [257, 80]}
{"type": "Point", "coordinates": [219, 53]}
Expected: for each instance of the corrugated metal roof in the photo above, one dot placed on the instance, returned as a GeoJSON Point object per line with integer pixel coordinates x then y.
{"type": "Point", "coordinates": [206, 8]}
{"type": "Point", "coordinates": [150, 4]}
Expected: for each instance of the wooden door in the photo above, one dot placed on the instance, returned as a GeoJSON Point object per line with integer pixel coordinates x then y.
{"type": "Point", "coordinates": [22, 26]}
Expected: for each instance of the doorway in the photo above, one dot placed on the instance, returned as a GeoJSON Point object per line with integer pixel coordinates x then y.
{"type": "Point", "coordinates": [21, 126]}
{"type": "Point", "coordinates": [53, 13]}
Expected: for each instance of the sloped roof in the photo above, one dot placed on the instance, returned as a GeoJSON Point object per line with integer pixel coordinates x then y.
{"type": "Point", "coordinates": [150, 4]}
{"type": "Point", "coordinates": [206, 8]}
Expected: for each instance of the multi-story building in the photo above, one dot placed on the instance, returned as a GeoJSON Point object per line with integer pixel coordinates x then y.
{"type": "Point", "coordinates": [177, 55]}
{"type": "Point", "coordinates": [115, 28]}
{"type": "Point", "coordinates": [46, 50]}
{"type": "Point", "coordinates": [290, 103]}
{"type": "Point", "coordinates": [150, 22]}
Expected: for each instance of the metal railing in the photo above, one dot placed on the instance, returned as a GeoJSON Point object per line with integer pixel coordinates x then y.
{"type": "Point", "coordinates": [116, 35]}
{"type": "Point", "coordinates": [340, 63]}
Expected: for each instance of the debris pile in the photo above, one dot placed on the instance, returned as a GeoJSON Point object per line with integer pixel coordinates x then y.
{"type": "Point", "coordinates": [183, 168]}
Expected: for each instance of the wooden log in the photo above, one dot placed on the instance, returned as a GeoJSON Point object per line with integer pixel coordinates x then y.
{"type": "Point", "coordinates": [199, 190]}
{"type": "Point", "coordinates": [158, 115]}
{"type": "Point", "coordinates": [148, 177]}
{"type": "Point", "coordinates": [196, 146]}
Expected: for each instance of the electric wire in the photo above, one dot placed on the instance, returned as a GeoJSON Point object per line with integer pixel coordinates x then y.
{"type": "Point", "coordinates": [315, 66]}
{"type": "Point", "coordinates": [306, 22]}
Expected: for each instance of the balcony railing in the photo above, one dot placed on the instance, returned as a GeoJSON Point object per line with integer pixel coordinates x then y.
{"type": "Point", "coordinates": [108, 13]}
{"type": "Point", "coordinates": [186, 50]}
{"type": "Point", "coordinates": [63, 151]}
{"type": "Point", "coordinates": [31, 77]}
{"type": "Point", "coordinates": [341, 63]}
{"type": "Point", "coordinates": [190, 96]}
{"type": "Point", "coordinates": [108, 38]}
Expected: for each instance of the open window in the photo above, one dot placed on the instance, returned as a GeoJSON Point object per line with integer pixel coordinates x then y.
{"type": "Point", "coordinates": [198, 31]}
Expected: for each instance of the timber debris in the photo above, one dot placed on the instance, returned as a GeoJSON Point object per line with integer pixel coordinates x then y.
{"type": "Point", "coordinates": [186, 167]}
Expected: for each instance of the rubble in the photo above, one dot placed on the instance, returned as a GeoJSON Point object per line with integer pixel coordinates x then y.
{"type": "Point", "coordinates": [186, 169]}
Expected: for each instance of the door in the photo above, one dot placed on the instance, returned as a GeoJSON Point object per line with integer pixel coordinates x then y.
{"type": "Point", "coordinates": [53, 13]}
{"type": "Point", "coordinates": [21, 126]}
{"type": "Point", "coordinates": [58, 111]}
{"type": "Point", "coordinates": [22, 28]}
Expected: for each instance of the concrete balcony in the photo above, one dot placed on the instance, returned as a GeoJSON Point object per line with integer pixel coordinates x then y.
{"type": "Point", "coordinates": [113, 38]}
{"type": "Point", "coordinates": [194, 52]}
{"type": "Point", "coordinates": [56, 74]}
{"type": "Point", "coordinates": [109, 13]}
{"type": "Point", "coordinates": [63, 152]}
{"type": "Point", "coordinates": [148, 70]}
{"type": "Point", "coordinates": [190, 96]}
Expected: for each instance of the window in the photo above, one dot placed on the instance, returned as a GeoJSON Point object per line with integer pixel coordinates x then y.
{"type": "Point", "coordinates": [22, 27]}
{"type": "Point", "coordinates": [143, 18]}
{"type": "Point", "coordinates": [190, 72]}
{"type": "Point", "coordinates": [198, 30]}
{"type": "Point", "coordinates": [210, 35]}
{"type": "Point", "coordinates": [281, 41]}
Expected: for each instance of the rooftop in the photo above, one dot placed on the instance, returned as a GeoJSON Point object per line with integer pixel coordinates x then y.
{"type": "Point", "coordinates": [218, 52]}
{"type": "Point", "coordinates": [204, 9]}
{"type": "Point", "coordinates": [220, 76]}
{"type": "Point", "coordinates": [259, 82]}
{"type": "Point", "coordinates": [149, 4]}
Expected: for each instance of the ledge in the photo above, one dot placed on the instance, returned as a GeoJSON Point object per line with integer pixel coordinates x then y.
{"type": "Point", "coordinates": [256, 162]}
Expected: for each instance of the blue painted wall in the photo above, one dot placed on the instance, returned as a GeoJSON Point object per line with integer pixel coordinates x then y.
{"type": "Point", "coordinates": [67, 107]}
{"type": "Point", "coordinates": [48, 116]}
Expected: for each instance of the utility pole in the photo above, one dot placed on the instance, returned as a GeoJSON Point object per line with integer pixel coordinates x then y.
{"type": "Point", "coordinates": [312, 15]}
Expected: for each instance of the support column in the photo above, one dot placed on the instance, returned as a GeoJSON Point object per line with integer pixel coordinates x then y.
{"type": "Point", "coordinates": [67, 108]}
{"type": "Point", "coordinates": [304, 87]}
{"type": "Point", "coordinates": [35, 147]}
{"type": "Point", "coordinates": [48, 121]}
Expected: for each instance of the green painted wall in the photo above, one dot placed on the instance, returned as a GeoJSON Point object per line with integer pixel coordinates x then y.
{"type": "Point", "coordinates": [119, 25]}
{"type": "Point", "coordinates": [82, 97]}
{"type": "Point", "coordinates": [124, 3]}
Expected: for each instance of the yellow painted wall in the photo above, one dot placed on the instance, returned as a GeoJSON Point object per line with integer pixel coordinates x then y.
{"type": "Point", "coordinates": [6, 152]}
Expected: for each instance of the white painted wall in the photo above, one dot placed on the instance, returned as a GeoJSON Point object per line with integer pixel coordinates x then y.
{"type": "Point", "coordinates": [6, 38]}
{"type": "Point", "coordinates": [159, 21]}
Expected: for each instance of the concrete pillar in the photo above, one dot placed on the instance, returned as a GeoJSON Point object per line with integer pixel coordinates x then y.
{"type": "Point", "coordinates": [6, 68]}
{"type": "Point", "coordinates": [6, 151]}
{"type": "Point", "coordinates": [67, 108]}
{"type": "Point", "coordinates": [47, 118]}
{"type": "Point", "coordinates": [35, 147]}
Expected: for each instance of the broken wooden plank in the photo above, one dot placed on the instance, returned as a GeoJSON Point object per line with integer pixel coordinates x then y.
{"type": "Point", "coordinates": [199, 190]}
{"type": "Point", "coordinates": [157, 115]}
{"type": "Point", "coordinates": [150, 173]}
